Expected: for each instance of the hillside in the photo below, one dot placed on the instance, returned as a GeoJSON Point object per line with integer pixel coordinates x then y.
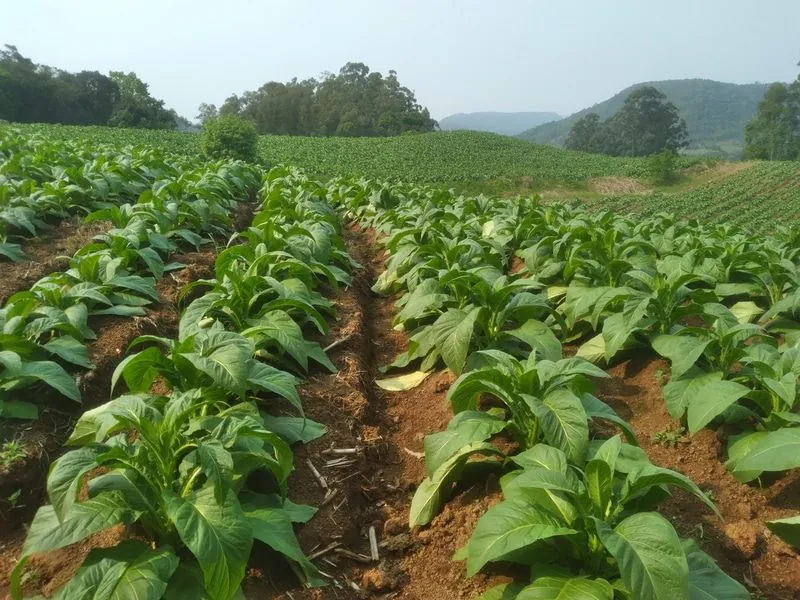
{"type": "Point", "coordinates": [506, 123]}
{"type": "Point", "coordinates": [715, 112]}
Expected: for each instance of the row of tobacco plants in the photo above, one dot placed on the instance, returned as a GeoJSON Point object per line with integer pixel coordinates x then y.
{"type": "Point", "coordinates": [492, 289]}
{"type": "Point", "coordinates": [194, 458]}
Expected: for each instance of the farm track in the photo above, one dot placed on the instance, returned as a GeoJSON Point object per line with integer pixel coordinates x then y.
{"type": "Point", "coordinates": [47, 253]}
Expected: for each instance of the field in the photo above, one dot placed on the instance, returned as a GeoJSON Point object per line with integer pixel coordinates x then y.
{"type": "Point", "coordinates": [219, 380]}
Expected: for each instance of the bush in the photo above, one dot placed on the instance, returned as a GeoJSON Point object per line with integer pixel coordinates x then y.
{"type": "Point", "coordinates": [664, 167]}
{"type": "Point", "coordinates": [230, 136]}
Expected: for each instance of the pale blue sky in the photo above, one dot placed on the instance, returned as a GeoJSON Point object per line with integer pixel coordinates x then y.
{"type": "Point", "coordinates": [458, 56]}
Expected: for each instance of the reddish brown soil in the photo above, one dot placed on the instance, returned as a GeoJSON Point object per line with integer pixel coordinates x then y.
{"type": "Point", "coordinates": [741, 544]}
{"type": "Point", "coordinates": [46, 253]}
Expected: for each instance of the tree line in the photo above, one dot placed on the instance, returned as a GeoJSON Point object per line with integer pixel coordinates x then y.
{"type": "Point", "coordinates": [34, 93]}
{"type": "Point", "coordinates": [353, 102]}
{"type": "Point", "coordinates": [646, 124]}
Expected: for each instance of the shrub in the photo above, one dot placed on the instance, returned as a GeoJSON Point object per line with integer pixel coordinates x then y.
{"type": "Point", "coordinates": [664, 167]}
{"type": "Point", "coordinates": [230, 136]}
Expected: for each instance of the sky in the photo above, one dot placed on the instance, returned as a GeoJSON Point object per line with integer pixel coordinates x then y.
{"type": "Point", "coordinates": [457, 55]}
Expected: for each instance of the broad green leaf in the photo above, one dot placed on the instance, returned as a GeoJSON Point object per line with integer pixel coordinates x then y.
{"type": "Point", "coordinates": [402, 383]}
{"type": "Point", "coordinates": [597, 409]}
{"type": "Point", "coordinates": [786, 529]}
{"type": "Point", "coordinates": [746, 311]}
{"type": "Point", "coordinates": [640, 480]}
{"type": "Point", "coordinates": [71, 350]}
{"type": "Point", "coordinates": [294, 429]}
{"type": "Point", "coordinates": [218, 535]}
{"type": "Point", "coordinates": [711, 400]}
{"type": "Point", "coordinates": [454, 330]}
{"type": "Point", "coordinates": [128, 571]}
{"type": "Point", "coordinates": [53, 375]}
{"type": "Point", "coordinates": [273, 526]}
{"type": "Point", "coordinates": [681, 350]}
{"type": "Point", "coordinates": [680, 392]}
{"type": "Point", "coordinates": [65, 476]}
{"type": "Point", "coordinates": [706, 580]}
{"type": "Point", "coordinates": [217, 464]}
{"type": "Point", "coordinates": [465, 428]}
{"type": "Point", "coordinates": [562, 588]}
{"type": "Point", "coordinates": [650, 557]}
{"type": "Point", "coordinates": [504, 591]}
{"type": "Point", "coordinates": [139, 370]}
{"type": "Point", "coordinates": [740, 446]}
{"type": "Point", "coordinates": [600, 485]}
{"type": "Point", "coordinates": [775, 451]}
{"type": "Point", "coordinates": [269, 379]}
{"type": "Point", "coordinates": [539, 337]}
{"type": "Point", "coordinates": [593, 350]}
{"type": "Point", "coordinates": [563, 422]}
{"type": "Point", "coordinates": [434, 491]}
{"type": "Point", "coordinates": [507, 527]}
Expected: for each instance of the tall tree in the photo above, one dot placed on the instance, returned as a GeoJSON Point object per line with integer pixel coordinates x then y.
{"type": "Point", "coordinates": [353, 102]}
{"type": "Point", "coordinates": [774, 133]}
{"type": "Point", "coordinates": [586, 134]}
{"type": "Point", "coordinates": [136, 107]}
{"type": "Point", "coordinates": [646, 124]}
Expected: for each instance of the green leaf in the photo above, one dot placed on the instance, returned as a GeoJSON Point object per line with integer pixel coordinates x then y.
{"type": "Point", "coordinates": [680, 392]}
{"type": "Point", "coordinates": [682, 351]}
{"type": "Point", "coordinates": [294, 429]}
{"type": "Point", "coordinates": [786, 529]}
{"type": "Point", "coordinates": [465, 428]}
{"type": "Point", "coordinates": [139, 370]}
{"type": "Point", "coordinates": [504, 591]}
{"type": "Point", "coordinates": [47, 533]}
{"type": "Point", "coordinates": [97, 424]}
{"type": "Point", "coordinates": [194, 313]}
{"type": "Point", "coordinates": [775, 451]}
{"type": "Point", "coordinates": [564, 423]}
{"type": "Point", "coordinates": [540, 338]}
{"type": "Point", "coordinates": [454, 330]}
{"type": "Point", "coordinates": [71, 350]}
{"type": "Point", "coordinates": [507, 527]}
{"type": "Point", "coordinates": [597, 409]}
{"type": "Point", "coordinates": [217, 464]}
{"type": "Point", "coordinates": [746, 311]}
{"type": "Point", "coordinates": [650, 557]}
{"type": "Point", "coordinates": [65, 476]}
{"type": "Point", "coordinates": [19, 410]}
{"type": "Point", "coordinates": [128, 571]}
{"type": "Point", "coordinates": [563, 588]}
{"type": "Point", "coordinates": [272, 525]}
{"type": "Point", "coordinates": [711, 400]}
{"type": "Point", "coordinates": [434, 491]}
{"type": "Point", "coordinates": [706, 580]}
{"type": "Point", "coordinates": [593, 350]}
{"type": "Point", "coordinates": [217, 534]}
{"type": "Point", "coordinates": [600, 485]}
{"type": "Point", "coordinates": [740, 446]}
{"type": "Point", "coordinates": [269, 379]}
{"type": "Point", "coordinates": [53, 375]}
{"type": "Point", "coordinates": [403, 382]}
{"type": "Point", "coordinates": [641, 479]}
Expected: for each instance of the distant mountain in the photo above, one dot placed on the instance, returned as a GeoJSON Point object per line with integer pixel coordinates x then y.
{"type": "Point", "coordinates": [715, 112]}
{"type": "Point", "coordinates": [497, 122]}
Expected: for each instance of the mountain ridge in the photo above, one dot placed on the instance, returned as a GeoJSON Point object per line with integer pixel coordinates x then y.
{"type": "Point", "coordinates": [505, 123]}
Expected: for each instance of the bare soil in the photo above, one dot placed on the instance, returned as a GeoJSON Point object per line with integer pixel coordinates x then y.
{"type": "Point", "coordinates": [47, 252]}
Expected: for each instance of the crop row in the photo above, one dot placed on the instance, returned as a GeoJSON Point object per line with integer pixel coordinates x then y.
{"type": "Point", "coordinates": [180, 465]}
{"type": "Point", "coordinates": [720, 305]}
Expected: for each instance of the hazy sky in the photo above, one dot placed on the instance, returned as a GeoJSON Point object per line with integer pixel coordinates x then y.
{"type": "Point", "coordinates": [458, 56]}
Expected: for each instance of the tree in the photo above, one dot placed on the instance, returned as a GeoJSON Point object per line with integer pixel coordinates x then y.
{"type": "Point", "coordinates": [586, 134]}
{"type": "Point", "coordinates": [647, 124]}
{"type": "Point", "coordinates": [206, 112]}
{"type": "Point", "coordinates": [353, 102]}
{"type": "Point", "coordinates": [774, 133]}
{"type": "Point", "coordinates": [136, 107]}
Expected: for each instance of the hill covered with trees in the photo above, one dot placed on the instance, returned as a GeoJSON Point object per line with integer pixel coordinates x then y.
{"type": "Point", "coordinates": [506, 123]}
{"type": "Point", "coordinates": [354, 102]}
{"type": "Point", "coordinates": [716, 113]}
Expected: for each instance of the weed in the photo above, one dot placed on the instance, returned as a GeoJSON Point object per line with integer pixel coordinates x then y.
{"type": "Point", "coordinates": [669, 438]}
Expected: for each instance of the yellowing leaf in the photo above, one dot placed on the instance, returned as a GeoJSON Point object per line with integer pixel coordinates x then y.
{"type": "Point", "coordinates": [403, 382]}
